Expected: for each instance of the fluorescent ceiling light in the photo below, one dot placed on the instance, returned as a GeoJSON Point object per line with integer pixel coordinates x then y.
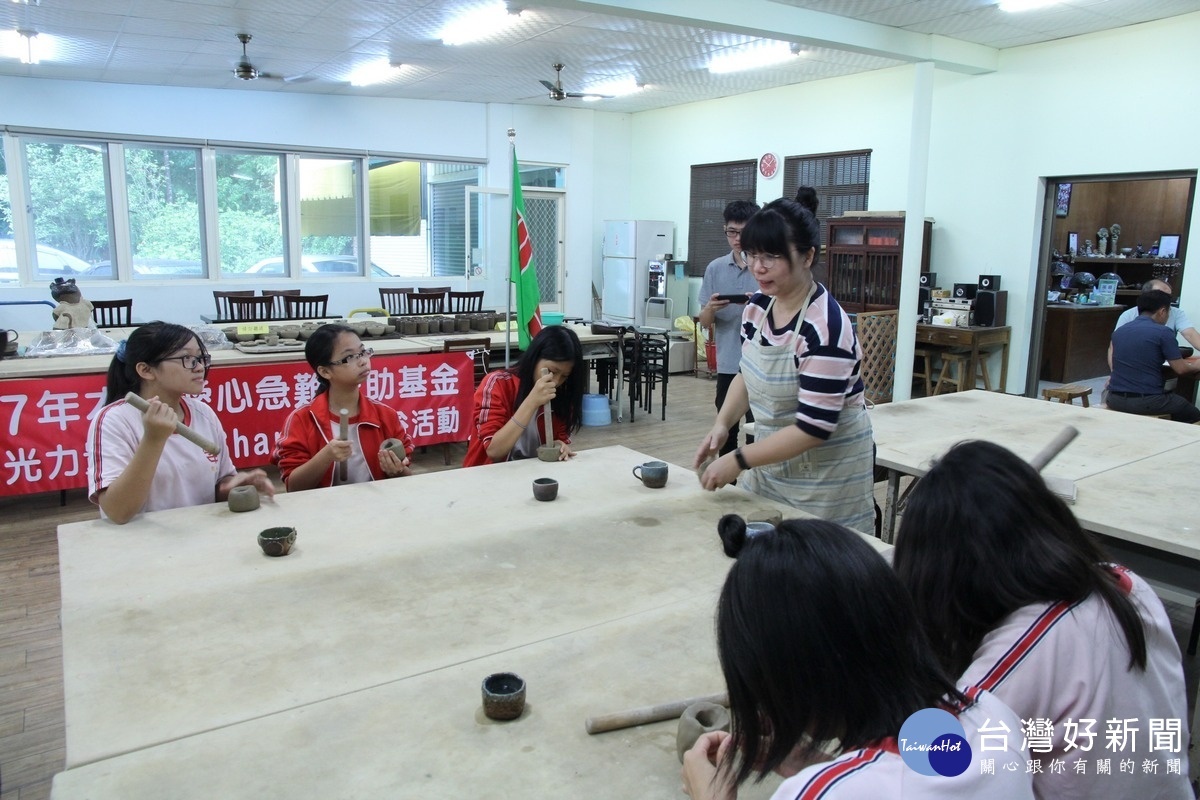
{"type": "Point", "coordinates": [478, 24]}
{"type": "Point", "coordinates": [759, 54]}
{"type": "Point", "coordinates": [615, 88]}
{"type": "Point", "coordinates": [378, 71]}
{"type": "Point", "coordinates": [1025, 5]}
{"type": "Point", "coordinates": [25, 45]}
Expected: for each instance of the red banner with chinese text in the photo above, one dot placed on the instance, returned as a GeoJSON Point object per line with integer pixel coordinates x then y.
{"type": "Point", "coordinates": [45, 420]}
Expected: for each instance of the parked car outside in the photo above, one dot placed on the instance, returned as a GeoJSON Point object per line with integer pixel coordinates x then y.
{"type": "Point", "coordinates": [331, 265]}
{"type": "Point", "coordinates": [162, 267]}
{"type": "Point", "coordinates": [51, 262]}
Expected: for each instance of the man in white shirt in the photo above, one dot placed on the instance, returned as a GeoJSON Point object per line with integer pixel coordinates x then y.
{"type": "Point", "coordinates": [1178, 320]}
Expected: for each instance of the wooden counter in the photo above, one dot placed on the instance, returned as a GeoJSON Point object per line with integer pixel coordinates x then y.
{"type": "Point", "coordinates": [1075, 341]}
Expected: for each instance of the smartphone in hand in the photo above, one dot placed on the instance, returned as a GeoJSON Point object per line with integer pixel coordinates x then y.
{"type": "Point", "coordinates": [734, 298]}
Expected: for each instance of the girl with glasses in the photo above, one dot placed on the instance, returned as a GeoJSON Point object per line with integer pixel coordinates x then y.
{"type": "Point", "coordinates": [135, 461]}
{"type": "Point", "coordinates": [310, 447]}
{"type": "Point", "coordinates": [825, 662]}
{"type": "Point", "coordinates": [801, 376]}
{"type": "Point", "coordinates": [509, 402]}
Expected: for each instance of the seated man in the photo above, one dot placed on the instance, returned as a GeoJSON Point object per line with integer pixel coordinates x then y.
{"type": "Point", "coordinates": [1177, 322]}
{"type": "Point", "coordinates": [1138, 352]}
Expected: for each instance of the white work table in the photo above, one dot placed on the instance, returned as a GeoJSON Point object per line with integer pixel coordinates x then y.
{"type": "Point", "coordinates": [353, 666]}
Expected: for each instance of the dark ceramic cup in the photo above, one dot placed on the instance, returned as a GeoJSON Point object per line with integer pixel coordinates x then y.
{"type": "Point", "coordinates": [277, 541]}
{"type": "Point", "coordinates": [653, 474]}
{"type": "Point", "coordinates": [503, 695]}
{"type": "Point", "coordinates": [545, 489]}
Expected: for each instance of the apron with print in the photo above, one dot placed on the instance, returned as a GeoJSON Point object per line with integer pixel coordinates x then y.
{"type": "Point", "coordinates": [833, 481]}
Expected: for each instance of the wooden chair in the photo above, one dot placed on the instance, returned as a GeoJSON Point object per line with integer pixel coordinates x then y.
{"type": "Point", "coordinates": [395, 299]}
{"type": "Point", "coordinates": [113, 313]}
{"type": "Point", "coordinates": [277, 309]}
{"type": "Point", "coordinates": [923, 367]}
{"type": "Point", "coordinates": [301, 306]}
{"type": "Point", "coordinates": [250, 309]}
{"type": "Point", "coordinates": [222, 301]}
{"type": "Point", "coordinates": [479, 348]}
{"type": "Point", "coordinates": [462, 302]}
{"type": "Point", "coordinates": [426, 302]}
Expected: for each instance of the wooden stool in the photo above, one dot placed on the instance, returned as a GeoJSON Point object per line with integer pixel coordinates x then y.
{"type": "Point", "coordinates": [1067, 394]}
{"type": "Point", "coordinates": [926, 359]}
{"type": "Point", "coordinates": [955, 379]}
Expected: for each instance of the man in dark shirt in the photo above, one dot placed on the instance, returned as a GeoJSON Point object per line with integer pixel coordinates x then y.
{"type": "Point", "coordinates": [1138, 352]}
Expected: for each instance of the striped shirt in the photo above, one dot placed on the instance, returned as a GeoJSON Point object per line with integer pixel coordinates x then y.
{"type": "Point", "coordinates": [828, 358]}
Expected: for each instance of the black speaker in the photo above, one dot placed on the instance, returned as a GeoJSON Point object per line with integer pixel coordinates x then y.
{"type": "Point", "coordinates": [966, 290]}
{"type": "Point", "coordinates": [991, 308]}
{"type": "Point", "coordinates": [929, 279]}
{"type": "Point", "coordinates": [989, 282]}
{"type": "Point", "coordinates": [926, 297]}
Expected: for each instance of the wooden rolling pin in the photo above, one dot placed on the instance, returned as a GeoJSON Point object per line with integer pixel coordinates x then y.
{"type": "Point", "coordinates": [343, 434]}
{"type": "Point", "coordinates": [546, 416]}
{"type": "Point", "coordinates": [648, 714]}
{"type": "Point", "coordinates": [1055, 447]}
{"type": "Point", "coordinates": [183, 430]}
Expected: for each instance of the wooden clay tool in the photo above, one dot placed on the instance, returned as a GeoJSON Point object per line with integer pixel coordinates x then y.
{"type": "Point", "coordinates": [183, 430]}
{"type": "Point", "coordinates": [646, 714]}
{"type": "Point", "coordinates": [343, 434]}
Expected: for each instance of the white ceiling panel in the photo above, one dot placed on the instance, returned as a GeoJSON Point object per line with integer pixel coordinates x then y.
{"type": "Point", "coordinates": [193, 43]}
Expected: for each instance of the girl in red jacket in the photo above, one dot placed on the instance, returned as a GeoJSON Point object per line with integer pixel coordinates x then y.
{"type": "Point", "coordinates": [309, 449]}
{"type": "Point", "coordinates": [508, 421]}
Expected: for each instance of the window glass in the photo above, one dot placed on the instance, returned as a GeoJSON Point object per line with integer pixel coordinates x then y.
{"type": "Point", "coordinates": [329, 216]}
{"type": "Point", "coordinates": [165, 232]}
{"type": "Point", "coordinates": [5, 201]}
{"type": "Point", "coordinates": [249, 212]}
{"type": "Point", "coordinates": [448, 217]}
{"type": "Point", "coordinates": [71, 210]}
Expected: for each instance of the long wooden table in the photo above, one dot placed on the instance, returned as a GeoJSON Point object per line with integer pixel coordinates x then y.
{"type": "Point", "coordinates": [352, 667]}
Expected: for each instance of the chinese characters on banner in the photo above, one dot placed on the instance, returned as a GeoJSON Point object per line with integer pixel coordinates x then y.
{"type": "Point", "coordinates": [45, 420]}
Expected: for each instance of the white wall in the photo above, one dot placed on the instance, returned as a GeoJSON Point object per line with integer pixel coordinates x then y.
{"type": "Point", "coordinates": [592, 146]}
{"type": "Point", "coordinates": [1120, 101]}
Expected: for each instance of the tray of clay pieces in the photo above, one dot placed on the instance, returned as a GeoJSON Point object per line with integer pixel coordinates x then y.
{"type": "Point", "coordinates": [284, 346]}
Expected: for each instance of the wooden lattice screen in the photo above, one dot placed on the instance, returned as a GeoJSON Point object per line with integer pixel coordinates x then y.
{"type": "Point", "coordinates": [877, 335]}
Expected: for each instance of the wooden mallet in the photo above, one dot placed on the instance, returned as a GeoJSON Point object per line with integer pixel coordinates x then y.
{"type": "Point", "coordinates": [183, 430]}
{"type": "Point", "coordinates": [1047, 453]}
{"type": "Point", "coordinates": [647, 714]}
{"type": "Point", "coordinates": [343, 434]}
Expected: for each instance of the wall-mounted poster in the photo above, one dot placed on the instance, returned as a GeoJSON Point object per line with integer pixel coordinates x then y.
{"type": "Point", "coordinates": [1063, 203]}
{"type": "Point", "coordinates": [1168, 245]}
{"type": "Point", "coordinates": [1072, 243]}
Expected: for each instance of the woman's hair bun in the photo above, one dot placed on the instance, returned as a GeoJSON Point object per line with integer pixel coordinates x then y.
{"type": "Point", "coordinates": [732, 530]}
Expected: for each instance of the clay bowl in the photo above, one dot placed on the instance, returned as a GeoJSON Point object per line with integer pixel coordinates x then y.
{"type": "Point", "coordinates": [503, 696]}
{"type": "Point", "coordinates": [549, 452]}
{"type": "Point", "coordinates": [243, 498]}
{"type": "Point", "coordinates": [394, 445]}
{"type": "Point", "coordinates": [545, 489]}
{"type": "Point", "coordinates": [288, 331]}
{"type": "Point", "coordinates": [358, 327]}
{"type": "Point", "coordinates": [374, 328]}
{"type": "Point", "coordinates": [389, 329]}
{"type": "Point", "coordinates": [277, 541]}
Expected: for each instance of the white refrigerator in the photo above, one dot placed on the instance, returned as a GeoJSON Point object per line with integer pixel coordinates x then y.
{"type": "Point", "coordinates": [630, 247]}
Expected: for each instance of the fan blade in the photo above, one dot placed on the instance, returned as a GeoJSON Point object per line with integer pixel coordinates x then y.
{"type": "Point", "coordinates": [589, 94]}
{"type": "Point", "coordinates": [549, 85]}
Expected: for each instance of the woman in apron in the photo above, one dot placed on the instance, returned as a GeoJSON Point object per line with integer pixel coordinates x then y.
{"type": "Point", "coordinates": [801, 378]}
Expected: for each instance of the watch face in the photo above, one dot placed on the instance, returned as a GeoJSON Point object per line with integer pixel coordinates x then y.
{"type": "Point", "coordinates": [768, 165]}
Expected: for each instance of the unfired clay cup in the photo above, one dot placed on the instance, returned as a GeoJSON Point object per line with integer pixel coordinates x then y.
{"type": "Point", "coordinates": [243, 498]}
{"type": "Point", "coordinates": [549, 452]}
{"type": "Point", "coordinates": [545, 489]}
{"type": "Point", "coordinates": [503, 696]}
{"type": "Point", "coordinates": [697, 720]}
{"type": "Point", "coordinates": [396, 446]}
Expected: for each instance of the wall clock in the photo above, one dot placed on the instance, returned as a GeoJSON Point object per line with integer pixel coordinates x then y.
{"type": "Point", "coordinates": [768, 165]}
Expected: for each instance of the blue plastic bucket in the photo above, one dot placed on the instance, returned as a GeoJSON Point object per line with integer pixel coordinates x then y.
{"type": "Point", "coordinates": [596, 411]}
{"type": "Point", "coordinates": [552, 318]}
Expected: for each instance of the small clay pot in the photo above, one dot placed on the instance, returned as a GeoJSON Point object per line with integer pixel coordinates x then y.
{"type": "Point", "coordinates": [447, 324]}
{"type": "Point", "coordinates": [545, 489]}
{"type": "Point", "coordinates": [288, 331]}
{"type": "Point", "coordinates": [243, 498]}
{"type": "Point", "coordinates": [478, 322]}
{"type": "Point", "coordinates": [503, 696]}
{"type": "Point", "coordinates": [359, 328]}
{"type": "Point", "coordinates": [422, 327]}
{"type": "Point", "coordinates": [462, 324]}
{"type": "Point", "coordinates": [396, 446]}
{"type": "Point", "coordinates": [653, 474]}
{"type": "Point", "coordinates": [697, 720]}
{"type": "Point", "coordinates": [373, 328]}
{"type": "Point", "coordinates": [388, 330]}
{"type": "Point", "coordinates": [549, 452]}
{"type": "Point", "coordinates": [408, 327]}
{"type": "Point", "coordinates": [277, 541]}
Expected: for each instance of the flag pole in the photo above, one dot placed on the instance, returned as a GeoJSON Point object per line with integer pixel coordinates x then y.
{"type": "Point", "coordinates": [512, 149]}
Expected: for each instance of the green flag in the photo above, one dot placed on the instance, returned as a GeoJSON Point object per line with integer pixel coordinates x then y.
{"type": "Point", "coordinates": [523, 269]}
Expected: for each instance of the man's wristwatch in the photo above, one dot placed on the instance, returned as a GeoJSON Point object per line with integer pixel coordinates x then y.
{"type": "Point", "coordinates": [740, 457]}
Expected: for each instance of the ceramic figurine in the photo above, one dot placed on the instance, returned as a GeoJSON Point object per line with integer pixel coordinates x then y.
{"type": "Point", "coordinates": [1138, 252]}
{"type": "Point", "coordinates": [1114, 233]}
{"type": "Point", "coordinates": [72, 310]}
{"type": "Point", "coordinates": [1087, 247]}
{"type": "Point", "coordinates": [1102, 241]}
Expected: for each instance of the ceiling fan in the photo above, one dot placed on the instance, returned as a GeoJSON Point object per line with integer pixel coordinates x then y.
{"type": "Point", "coordinates": [556, 88]}
{"type": "Point", "coordinates": [247, 71]}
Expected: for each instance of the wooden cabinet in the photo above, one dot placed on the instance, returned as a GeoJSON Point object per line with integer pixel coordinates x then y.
{"type": "Point", "coordinates": [1133, 271]}
{"type": "Point", "coordinates": [865, 257]}
{"type": "Point", "coordinates": [1075, 341]}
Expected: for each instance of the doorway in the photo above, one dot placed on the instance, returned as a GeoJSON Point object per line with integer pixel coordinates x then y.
{"type": "Point", "coordinates": [1069, 340]}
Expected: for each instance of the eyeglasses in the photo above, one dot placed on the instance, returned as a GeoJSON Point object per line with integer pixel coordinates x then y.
{"type": "Point", "coordinates": [733, 233]}
{"type": "Point", "coordinates": [768, 260]}
{"type": "Point", "coordinates": [191, 362]}
{"type": "Point", "coordinates": [366, 352]}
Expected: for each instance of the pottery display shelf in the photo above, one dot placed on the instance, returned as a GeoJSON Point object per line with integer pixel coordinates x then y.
{"type": "Point", "coordinates": [366, 645]}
